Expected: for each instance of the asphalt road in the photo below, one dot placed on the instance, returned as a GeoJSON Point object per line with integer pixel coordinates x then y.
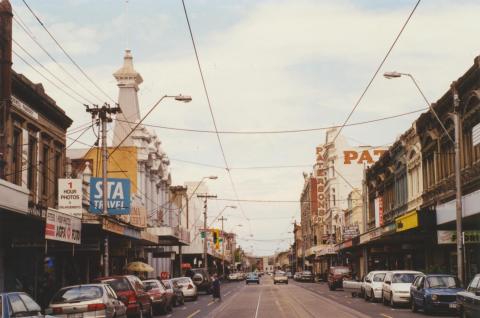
{"type": "Point", "coordinates": [293, 300]}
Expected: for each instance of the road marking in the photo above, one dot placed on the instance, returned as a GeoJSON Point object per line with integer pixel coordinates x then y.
{"type": "Point", "coordinates": [194, 313]}
{"type": "Point", "coordinates": [226, 294]}
{"type": "Point", "coordinates": [386, 316]}
{"type": "Point", "coordinates": [210, 302]}
{"type": "Point", "coordinates": [258, 304]}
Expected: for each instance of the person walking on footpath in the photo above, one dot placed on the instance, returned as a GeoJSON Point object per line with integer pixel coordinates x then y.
{"type": "Point", "coordinates": [216, 288]}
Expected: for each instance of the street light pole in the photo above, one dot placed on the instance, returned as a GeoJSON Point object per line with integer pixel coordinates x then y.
{"type": "Point", "coordinates": [205, 256]}
{"type": "Point", "coordinates": [458, 180]}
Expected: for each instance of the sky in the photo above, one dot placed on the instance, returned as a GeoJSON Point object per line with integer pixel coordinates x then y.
{"type": "Point", "coordinates": [268, 65]}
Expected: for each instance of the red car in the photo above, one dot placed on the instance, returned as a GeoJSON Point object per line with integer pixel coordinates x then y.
{"type": "Point", "coordinates": [162, 301]}
{"type": "Point", "coordinates": [131, 291]}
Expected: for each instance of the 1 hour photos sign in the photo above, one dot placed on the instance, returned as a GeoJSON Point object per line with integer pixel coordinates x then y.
{"type": "Point", "coordinates": [70, 196]}
{"type": "Point", "coordinates": [118, 196]}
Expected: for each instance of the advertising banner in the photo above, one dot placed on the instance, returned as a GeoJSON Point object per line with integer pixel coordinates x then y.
{"type": "Point", "coordinates": [450, 237]}
{"type": "Point", "coordinates": [118, 196]}
{"type": "Point", "coordinates": [70, 196]}
{"type": "Point", "coordinates": [62, 227]}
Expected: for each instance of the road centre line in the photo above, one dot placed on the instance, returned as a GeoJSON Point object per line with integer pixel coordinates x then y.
{"type": "Point", "coordinates": [194, 313]}
{"type": "Point", "coordinates": [386, 316]}
{"type": "Point", "coordinates": [228, 293]}
{"type": "Point", "coordinates": [258, 304]}
{"type": "Point", "coordinates": [210, 302]}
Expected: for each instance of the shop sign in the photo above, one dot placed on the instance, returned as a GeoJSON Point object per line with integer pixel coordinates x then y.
{"type": "Point", "coordinates": [407, 221]}
{"type": "Point", "coordinates": [378, 211]}
{"type": "Point", "coordinates": [147, 236]}
{"type": "Point", "coordinates": [390, 228]}
{"type": "Point", "coordinates": [62, 227]}
{"type": "Point", "coordinates": [118, 196]}
{"type": "Point", "coordinates": [132, 233]}
{"type": "Point", "coordinates": [350, 232]}
{"type": "Point", "coordinates": [24, 107]}
{"type": "Point", "coordinates": [70, 196]}
{"type": "Point", "coordinates": [450, 237]}
{"type": "Point", "coordinates": [346, 244]}
{"type": "Point", "coordinates": [112, 227]}
{"type": "Point", "coordinates": [330, 249]}
{"type": "Point", "coordinates": [138, 216]}
{"type": "Point", "coordinates": [360, 157]}
{"type": "Point", "coordinates": [447, 212]}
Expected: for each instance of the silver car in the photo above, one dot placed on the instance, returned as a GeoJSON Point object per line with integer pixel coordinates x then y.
{"type": "Point", "coordinates": [85, 301]}
{"type": "Point", "coordinates": [187, 286]}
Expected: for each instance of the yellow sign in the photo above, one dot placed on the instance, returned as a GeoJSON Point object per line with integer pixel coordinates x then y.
{"type": "Point", "coordinates": [407, 221]}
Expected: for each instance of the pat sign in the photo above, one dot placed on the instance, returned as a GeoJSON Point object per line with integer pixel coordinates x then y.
{"type": "Point", "coordinates": [118, 196]}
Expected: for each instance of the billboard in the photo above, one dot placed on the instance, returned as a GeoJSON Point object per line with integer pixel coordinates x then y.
{"type": "Point", "coordinates": [118, 196]}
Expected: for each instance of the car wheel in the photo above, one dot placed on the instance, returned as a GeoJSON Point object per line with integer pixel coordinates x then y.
{"type": "Point", "coordinates": [140, 311]}
{"type": "Point", "coordinates": [182, 300]}
{"type": "Point", "coordinates": [426, 309]}
{"type": "Point", "coordinates": [258, 283]}
{"type": "Point", "coordinates": [372, 296]}
{"type": "Point", "coordinates": [384, 300]}
{"type": "Point", "coordinates": [365, 296]}
{"type": "Point", "coordinates": [413, 306]}
{"type": "Point", "coordinates": [392, 303]}
{"type": "Point", "coordinates": [463, 314]}
{"type": "Point", "coordinates": [169, 307]}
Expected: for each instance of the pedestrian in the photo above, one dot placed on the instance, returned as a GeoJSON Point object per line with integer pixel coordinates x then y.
{"type": "Point", "coordinates": [216, 288]}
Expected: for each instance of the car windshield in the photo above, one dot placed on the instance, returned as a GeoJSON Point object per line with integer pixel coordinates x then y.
{"type": "Point", "coordinates": [252, 275]}
{"type": "Point", "coordinates": [341, 271]}
{"type": "Point", "coordinates": [182, 281]}
{"type": "Point", "coordinates": [118, 284]}
{"type": "Point", "coordinates": [443, 282]}
{"type": "Point", "coordinates": [403, 278]}
{"type": "Point", "coordinates": [150, 285]}
{"type": "Point", "coordinates": [77, 294]}
{"type": "Point", "coordinates": [378, 277]}
{"type": "Point", "coordinates": [166, 283]}
{"type": "Point", "coordinates": [307, 273]}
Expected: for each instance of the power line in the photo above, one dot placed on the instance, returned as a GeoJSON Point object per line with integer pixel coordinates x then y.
{"type": "Point", "coordinates": [66, 53]}
{"type": "Point", "coordinates": [377, 70]}
{"type": "Point", "coordinates": [285, 131]}
{"type": "Point", "coordinates": [211, 109]}
{"type": "Point", "coordinates": [25, 28]}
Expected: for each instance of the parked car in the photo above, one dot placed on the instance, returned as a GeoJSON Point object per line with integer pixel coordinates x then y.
{"type": "Point", "coordinates": [469, 300]}
{"type": "Point", "coordinates": [297, 276]}
{"type": "Point", "coordinates": [252, 278]}
{"type": "Point", "coordinates": [280, 277]}
{"type": "Point", "coordinates": [187, 286]}
{"type": "Point", "coordinates": [434, 293]}
{"type": "Point", "coordinates": [307, 276]}
{"type": "Point", "coordinates": [353, 287]}
{"type": "Point", "coordinates": [336, 276]}
{"type": "Point", "coordinates": [17, 304]}
{"type": "Point", "coordinates": [92, 300]}
{"type": "Point", "coordinates": [396, 287]}
{"type": "Point", "coordinates": [232, 276]}
{"type": "Point", "coordinates": [173, 288]}
{"type": "Point", "coordinates": [372, 287]}
{"type": "Point", "coordinates": [201, 278]}
{"type": "Point", "coordinates": [289, 275]}
{"type": "Point", "coordinates": [161, 301]}
{"type": "Point", "coordinates": [132, 292]}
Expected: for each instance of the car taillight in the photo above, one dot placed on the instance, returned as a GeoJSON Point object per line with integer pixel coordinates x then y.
{"type": "Point", "coordinates": [57, 310]}
{"type": "Point", "coordinates": [190, 286]}
{"type": "Point", "coordinates": [95, 307]}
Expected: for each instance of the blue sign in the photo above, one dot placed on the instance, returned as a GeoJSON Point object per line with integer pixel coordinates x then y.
{"type": "Point", "coordinates": [118, 196]}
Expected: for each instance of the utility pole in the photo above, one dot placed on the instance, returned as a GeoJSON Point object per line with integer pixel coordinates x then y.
{"type": "Point", "coordinates": [205, 200]}
{"type": "Point", "coordinates": [458, 185]}
{"type": "Point", "coordinates": [104, 114]}
{"type": "Point", "coordinates": [223, 246]}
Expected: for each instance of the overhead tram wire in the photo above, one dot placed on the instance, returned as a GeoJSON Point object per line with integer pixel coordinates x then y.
{"type": "Point", "coordinates": [287, 131]}
{"type": "Point", "coordinates": [377, 70]}
{"type": "Point", "coordinates": [47, 79]}
{"type": "Point", "coordinates": [30, 34]}
{"type": "Point", "coordinates": [67, 54]}
{"type": "Point", "coordinates": [49, 72]}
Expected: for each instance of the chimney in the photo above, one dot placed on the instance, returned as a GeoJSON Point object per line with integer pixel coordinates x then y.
{"type": "Point", "coordinates": [5, 78]}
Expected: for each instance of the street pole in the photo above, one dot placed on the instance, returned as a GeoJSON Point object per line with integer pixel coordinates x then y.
{"type": "Point", "coordinates": [205, 256]}
{"type": "Point", "coordinates": [223, 246]}
{"type": "Point", "coordinates": [103, 114]}
{"type": "Point", "coordinates": [458, 184]}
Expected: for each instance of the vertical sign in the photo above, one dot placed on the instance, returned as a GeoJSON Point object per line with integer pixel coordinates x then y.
{"type": "Point", "coordinates": [62, 227]}
{"type": "Point", "coordinates": [70, 196]}
{"type": "Point", "coordinates": [378, 212]}
{"type": "Point", "coordinates": [25, 163]}
{"type": "Point", "coordinates": [476, 135]}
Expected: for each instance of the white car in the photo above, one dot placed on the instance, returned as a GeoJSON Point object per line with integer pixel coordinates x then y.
{"type": "Point", "coordinates": [232, 276]}
{"type": "Point", "coordinates": [372, 286]}
{"type": "Point", "coordinates": [280, 277]}
{"type": "Point", "coordinates": [396, 287]}
{"type": "Point", "coordinates": [187, 286]}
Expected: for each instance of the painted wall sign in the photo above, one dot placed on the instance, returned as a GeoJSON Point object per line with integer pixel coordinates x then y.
{"type": "Point", "coordinates": [118, 191]}
{"type": "Point", "coordinates": [360, 157]}
{"type": "Point", "coordinates": [62, 227]}
{"type": "Point", "coordinates": [70, 196]}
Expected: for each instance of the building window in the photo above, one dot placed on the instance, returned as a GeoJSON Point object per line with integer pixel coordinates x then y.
{"type": "Point", "coordinates": [17, 156]}
{"type": "Point", "coordinates": [45, 168]}
{"type": "Point", "coordinates": [32, 162]}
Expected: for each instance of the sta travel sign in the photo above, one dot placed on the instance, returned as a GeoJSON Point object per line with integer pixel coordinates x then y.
{"type": "Point", "coordinates": [118, 196]}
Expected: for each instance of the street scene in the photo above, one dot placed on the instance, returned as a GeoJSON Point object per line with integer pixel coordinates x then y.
{"type": "Point", "coordinates": [254, 158]}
